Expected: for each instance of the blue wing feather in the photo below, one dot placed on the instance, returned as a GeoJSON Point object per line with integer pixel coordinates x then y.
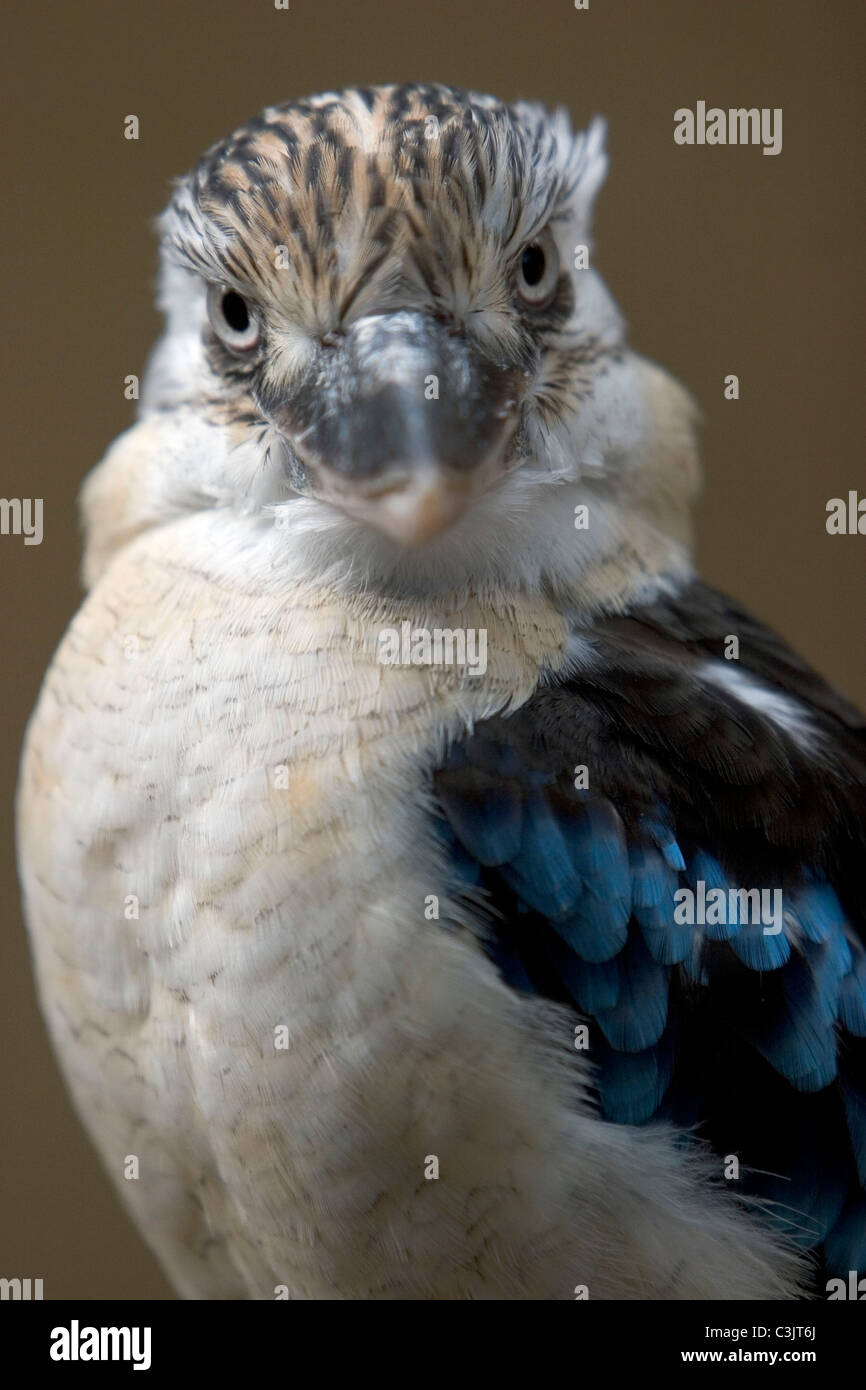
{"type": "Point", "coordinates": [719, 1024]}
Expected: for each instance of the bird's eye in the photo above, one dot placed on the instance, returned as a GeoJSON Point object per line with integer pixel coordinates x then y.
{"type": "Point", "coordinates": [233, 321]}
{"type": "Point", "coordinates": [538, 270]}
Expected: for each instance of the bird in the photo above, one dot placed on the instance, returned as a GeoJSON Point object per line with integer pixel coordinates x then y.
{"type": "Point", "coordinates": [437, 890]}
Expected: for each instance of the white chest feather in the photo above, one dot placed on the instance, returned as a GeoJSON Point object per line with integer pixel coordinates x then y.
{"type": "Point", "coordinates": [227, 856]}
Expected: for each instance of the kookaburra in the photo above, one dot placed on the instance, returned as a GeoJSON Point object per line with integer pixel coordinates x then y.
{"type": "Point", "coordinates": [436, 890]}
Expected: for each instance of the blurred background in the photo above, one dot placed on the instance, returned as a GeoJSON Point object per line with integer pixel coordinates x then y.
{"type": "Point", "coordinates": [724, 261]}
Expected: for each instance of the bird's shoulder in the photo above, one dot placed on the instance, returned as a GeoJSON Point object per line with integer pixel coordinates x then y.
{"type": "Point", "coordinates": [670, 838]}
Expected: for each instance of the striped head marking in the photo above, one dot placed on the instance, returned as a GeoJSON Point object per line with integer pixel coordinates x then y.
{"type": "Point", "coordinates": [390, 288]}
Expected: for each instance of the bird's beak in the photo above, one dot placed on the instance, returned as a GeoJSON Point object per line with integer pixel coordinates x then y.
{"type": "Point", "coordinates": [402, 423]}
{"type": "Point", "coordinates": [413, 500]}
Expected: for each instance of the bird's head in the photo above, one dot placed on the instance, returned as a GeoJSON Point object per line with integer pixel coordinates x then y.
{"type": "Point", "coordinates": [383, 297]}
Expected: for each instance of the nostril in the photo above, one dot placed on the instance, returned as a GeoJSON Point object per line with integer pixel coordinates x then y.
{"type": "Point", "coordinates": [333, 338]}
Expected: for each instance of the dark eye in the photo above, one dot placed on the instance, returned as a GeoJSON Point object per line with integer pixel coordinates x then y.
{"type": "Point", "coordinates": [538, 270]}
{"type": "Point", "coordinates": [233, 320]}
{"type": "Point", "coordinates": [532, 264]}
{"type": "Point", "coordinates": [235, 312]}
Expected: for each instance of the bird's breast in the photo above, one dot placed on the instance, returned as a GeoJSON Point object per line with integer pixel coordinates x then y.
{"type": "Point", "coordinates": [228, 856]}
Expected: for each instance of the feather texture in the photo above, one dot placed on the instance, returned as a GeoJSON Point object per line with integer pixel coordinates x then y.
{"type": "Point", "coordinates": [693, 793]}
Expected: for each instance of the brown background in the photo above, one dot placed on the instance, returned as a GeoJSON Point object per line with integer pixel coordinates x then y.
{"type": "Point", "coordinates": [725, 260]}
